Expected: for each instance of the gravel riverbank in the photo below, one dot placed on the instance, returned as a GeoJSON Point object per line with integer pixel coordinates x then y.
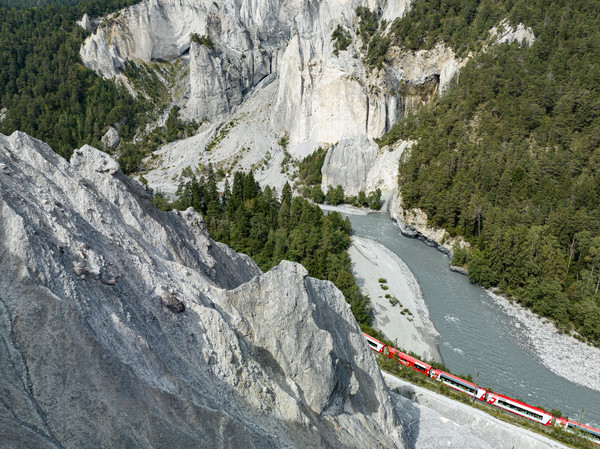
{"type": "Point", "coordinates": [398, 305]}
{"type": "Point", "coordinates": [560, 353]}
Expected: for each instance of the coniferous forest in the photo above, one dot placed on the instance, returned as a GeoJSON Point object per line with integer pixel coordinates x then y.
{"type": "Point", "coordinates": [254, 221]}
{"type": "Point", "coordinates": [509, 157]}
{"type": "Point", "coordinates": [45, 89]}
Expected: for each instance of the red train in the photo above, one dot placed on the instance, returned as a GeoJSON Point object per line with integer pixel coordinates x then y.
{"type": "Point", "coordinates": [504, 402]}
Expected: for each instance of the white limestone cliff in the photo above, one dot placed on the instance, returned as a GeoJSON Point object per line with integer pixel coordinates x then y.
{"type": "Point", "coordinates": [315, 97]}
{"type": "Point", "coordinates": [269, 70]}
{"type": "Point", "coordinates": [124, 326]}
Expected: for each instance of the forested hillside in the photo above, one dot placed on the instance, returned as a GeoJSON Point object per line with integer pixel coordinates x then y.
{"type": "Point", "coordinates": [254, 221]}
{"type": "Point", "coordinates": [509, 157]}
{"type": "Point", "coordinates": [45, 90]}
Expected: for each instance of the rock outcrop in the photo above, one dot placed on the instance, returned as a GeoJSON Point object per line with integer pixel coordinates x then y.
{"type": "Point", "coordinates": [505, 33]}
{"type": "Point", "coordinates": [111, 138]}
{"type": "Point", "coordinates": [123, 326]}
{"type": "Point", "coordinates": [348, 164]}
{"type": "Point", "coordinates": [316, 95]}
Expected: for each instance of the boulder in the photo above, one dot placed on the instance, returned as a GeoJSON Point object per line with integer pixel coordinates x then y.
{"type": "Point", "coordinates": [111, 139]}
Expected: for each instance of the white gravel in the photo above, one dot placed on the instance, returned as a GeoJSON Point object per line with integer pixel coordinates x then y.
{"type": "Point", "coordinates": [346, 209]}
{"type": "Point", "coordinates": [560, 353]}
{"type": "Point", "coordinates": [408, 322]}
{"type": "Point", "coordinates": [411, 331]}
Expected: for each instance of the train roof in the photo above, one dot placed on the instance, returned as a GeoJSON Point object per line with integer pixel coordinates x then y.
{"type": "Point", "coordinates": [373, 339]}
{"type": "Point", "coordinates": [460, 379]}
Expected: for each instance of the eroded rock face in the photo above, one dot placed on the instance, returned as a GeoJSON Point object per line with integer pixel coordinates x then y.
{"type": "Point", "coordinates": [91, 358]}
{"type": "Point", "coordinates": [221, 78]}
{"type": "Point", "coordinates": [321, 96]}
{"type": "Point", "coordinates": [348, 164]}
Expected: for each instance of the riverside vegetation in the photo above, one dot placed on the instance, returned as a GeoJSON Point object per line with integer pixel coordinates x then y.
{"type": "Point", "coordinates": [254, 221]}
{"type": "Point", "coordinates": [509, 157]}
{"type": "Point", "coordinates": [309, 185]}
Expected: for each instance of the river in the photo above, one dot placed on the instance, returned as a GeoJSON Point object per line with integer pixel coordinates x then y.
{"type": "Point", "coordinates": [477, 336]}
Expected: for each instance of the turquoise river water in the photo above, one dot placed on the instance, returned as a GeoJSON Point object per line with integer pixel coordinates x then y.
{"type": "Point", "coordinates": [476, 334]}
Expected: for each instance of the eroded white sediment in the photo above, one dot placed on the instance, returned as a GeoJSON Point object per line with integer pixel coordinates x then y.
{"type": "Point", "coordinates": [345, 209]}
{"type": "Point", "coordinates": [371, 261]}
{"type": "Point", "coordinates": [406, 323]}
{"type": "Point", "coordinates": [560, 353]}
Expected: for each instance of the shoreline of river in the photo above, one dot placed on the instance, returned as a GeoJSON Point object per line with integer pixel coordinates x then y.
{"type": "Point", "coordinates": [578, 362]}
{"type": "Point", "coordinates": [399, 309]}
{"type": "Point", "coordinates": [561, 354]}
{"type": "Point", "coordinates": [407, 322]}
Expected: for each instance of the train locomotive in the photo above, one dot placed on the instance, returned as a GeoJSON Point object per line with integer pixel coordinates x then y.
{"type": "Point", "coordinates": [497, 400]}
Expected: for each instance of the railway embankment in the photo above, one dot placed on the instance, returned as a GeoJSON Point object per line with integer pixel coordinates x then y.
{"type": "Point", "coordinates": [444, 422]}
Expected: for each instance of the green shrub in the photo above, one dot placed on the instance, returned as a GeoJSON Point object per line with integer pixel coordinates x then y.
{"type": "Point", "coordinates": [317, 195]}
{"type": "Point", "coordinates": [341, 39]}
{"type": "Point", "coordinates": [309, 169]}
{"type": "Point", "coordinates": [335, 196]}
{"type": "Point", "coordinates": [203, 40]}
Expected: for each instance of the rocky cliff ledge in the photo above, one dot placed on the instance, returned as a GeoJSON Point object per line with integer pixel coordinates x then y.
{"type": "Point", "coordinates": [271, 69]}
{"type": "Point", "coordinates": [123, 326]}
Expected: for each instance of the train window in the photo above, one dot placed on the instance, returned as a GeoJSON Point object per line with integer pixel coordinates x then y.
{"type": "Point", "coordinates": [593, 435]}
{"type": "Point", "coordinates": [417, 366]}
{"type": "Point", "coordinates": [373, 345]}
{"type": "Point", "coordinates": [466, 388]}
{"type": "Point", "coordinates": [520, 410]}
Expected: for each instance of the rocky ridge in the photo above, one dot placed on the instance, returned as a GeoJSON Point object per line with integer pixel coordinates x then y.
{"type": "Point", "coordinates": [123, 326]}
{"type": "Point", "coordinates": [271, 69]}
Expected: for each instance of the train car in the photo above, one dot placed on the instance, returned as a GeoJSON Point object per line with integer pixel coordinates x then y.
{"type": "Point", "coordinates": [498, 400]}
{"type": "Point", "coordinates": [458, 384]}
{"type": "Point", "coordinates": [519, 408]}
{"type": "Point", "coordinates": [374, 344]}
{"type": "Point", "coordinates": [582, 430]}
{"type": "Point", "coordinates": [400, 356]}
{"type": "Point", "coordinates": [407, 360]}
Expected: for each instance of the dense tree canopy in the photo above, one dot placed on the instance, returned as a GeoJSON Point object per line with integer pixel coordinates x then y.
{"type": "Point", "coordinates": [509, 158]}
{"type": "Point", "coordinates": [45, 89]}
{"type": "Point", "coordinates": [253, 221]}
